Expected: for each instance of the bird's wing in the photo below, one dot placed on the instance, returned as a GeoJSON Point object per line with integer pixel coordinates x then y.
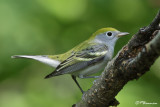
{"type": "Point", "coordinates": [79, 60]}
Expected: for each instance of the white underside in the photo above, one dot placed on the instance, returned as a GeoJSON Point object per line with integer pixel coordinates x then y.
{"type": "Point", "coordinates": [91, 70]}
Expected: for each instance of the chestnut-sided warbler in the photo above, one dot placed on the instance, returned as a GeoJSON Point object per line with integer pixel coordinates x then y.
{"type": "Point", "coordinates": [85, 59]}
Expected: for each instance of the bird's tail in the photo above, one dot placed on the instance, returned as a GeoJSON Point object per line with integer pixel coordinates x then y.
{"type": "Point", "coordinates": [47, 59]}
{"type": "Point", "coordinates": [53, 74]}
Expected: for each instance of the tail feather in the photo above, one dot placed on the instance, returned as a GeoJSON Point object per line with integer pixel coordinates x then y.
{"type": "Point", "coordinates": [24, 56]}
{"type": "Point", "coordinates": [42, 58]}
{"type": "Point", "coordinates": [54, 73]}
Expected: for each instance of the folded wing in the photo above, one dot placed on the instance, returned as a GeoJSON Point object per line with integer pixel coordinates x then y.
{"type": "Point", "coordinates": [85, 57]}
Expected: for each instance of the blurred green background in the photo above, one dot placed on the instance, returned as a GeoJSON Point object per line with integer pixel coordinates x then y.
{"type": "Point", "coordinates": [54, 26]}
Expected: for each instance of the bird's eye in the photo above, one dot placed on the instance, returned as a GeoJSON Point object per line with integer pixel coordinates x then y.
{"type": "Point", "coordinates": [109, 33]}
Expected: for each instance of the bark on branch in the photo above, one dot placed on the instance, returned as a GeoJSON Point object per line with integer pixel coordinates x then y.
{"type": "Point", "coordinates": [132, 61]}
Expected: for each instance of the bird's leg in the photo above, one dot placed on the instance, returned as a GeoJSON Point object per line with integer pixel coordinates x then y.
{"type": "Point", "coordinates": [74, 78]}
{"type": "Point", "coordinates": [83, 77]}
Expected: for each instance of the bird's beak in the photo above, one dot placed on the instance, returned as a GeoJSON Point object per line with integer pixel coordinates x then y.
{"type": "Point", "coordinates": [120, 34]}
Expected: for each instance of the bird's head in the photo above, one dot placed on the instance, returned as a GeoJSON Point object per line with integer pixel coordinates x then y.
{"type": "Point", "coordinates": [108, 35]}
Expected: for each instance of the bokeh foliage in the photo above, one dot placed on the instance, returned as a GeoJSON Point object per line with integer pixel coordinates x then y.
{"type": "Point", "coordinates": [54, 26]}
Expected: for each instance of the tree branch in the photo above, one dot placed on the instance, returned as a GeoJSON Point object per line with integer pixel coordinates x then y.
{"type": "Point", "coordinates": [132, 61]}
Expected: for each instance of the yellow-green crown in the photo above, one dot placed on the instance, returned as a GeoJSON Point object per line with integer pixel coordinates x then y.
{"type": "Point", "coordinates": [102, 30]}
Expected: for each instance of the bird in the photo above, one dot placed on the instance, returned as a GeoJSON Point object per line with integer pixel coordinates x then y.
{"type": "Point", "coordinates": [85, 59]}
